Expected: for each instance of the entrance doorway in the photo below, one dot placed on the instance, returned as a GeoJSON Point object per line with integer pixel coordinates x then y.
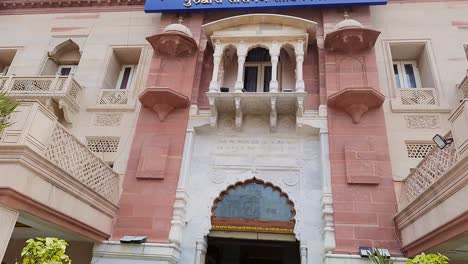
{"type": "Point", "coordinates": [242, 251]}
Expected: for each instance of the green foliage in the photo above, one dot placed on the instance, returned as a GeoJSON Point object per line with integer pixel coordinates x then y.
{"type": "Point", "coordinates": [49, 250]}
{"type": "Point", "coordinates": [429, 259]}
{"type": "Point", "coordinates": [7, 106]}
{"type": "Point", "coordinates": [376, 257]}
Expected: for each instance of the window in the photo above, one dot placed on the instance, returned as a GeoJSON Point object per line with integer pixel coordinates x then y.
{"type": "Point", "coordinates": [6, 59]}
{"type": "Point", "coordinates": [257, 71]}
{"type": "Point", "coordinates": [66, 70]}
{"type": "Point", "coordinates": [125, 77]}
{"type": "Point", "coordinates": [406, 74]}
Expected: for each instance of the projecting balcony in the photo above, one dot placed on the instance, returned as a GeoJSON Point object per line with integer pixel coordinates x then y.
{"type": "Point", "coordinates": [41, 161]}
{"type": "Point", "coordinates": [56, 92]}
{"type": "Point", "coordinates": [268, 103]}
{"type": "Point", "coordinates": [433, 213]}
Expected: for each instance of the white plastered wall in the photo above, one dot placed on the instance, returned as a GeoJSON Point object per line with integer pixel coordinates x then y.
{"type": "Point", "coordinates": [96, 34]}
{"type": "Point", "coordinates": [435, 23]}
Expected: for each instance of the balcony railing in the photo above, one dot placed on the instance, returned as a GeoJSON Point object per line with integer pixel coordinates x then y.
{"type": "Point", "coordinates": [463, 88]}
{"type": "Point", "coordinates": [37, 128]}
{"type": "Point", "coordinates": [113, 97]}
{"type": "Point", "coordinates": [428, 171]}
{"type": "Point", "coordinates": [64, 90]}
{"type": "Point", "coordinates": [418, 96]}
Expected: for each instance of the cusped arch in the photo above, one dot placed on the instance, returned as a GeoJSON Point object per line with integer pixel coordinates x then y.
{"type": "Point", "coordinates": [253, 206]}
{"type": "Point", "coordinates": [68, 46]}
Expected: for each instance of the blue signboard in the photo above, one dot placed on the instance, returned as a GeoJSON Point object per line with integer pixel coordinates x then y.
{"type": "Point", "coordinates": [158, 6]}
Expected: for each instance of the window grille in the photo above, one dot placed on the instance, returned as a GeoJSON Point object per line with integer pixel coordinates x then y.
{"type": "Point", "coordinates": [103, 144]}
{"type": "Point", "coordinates": [418, 150]}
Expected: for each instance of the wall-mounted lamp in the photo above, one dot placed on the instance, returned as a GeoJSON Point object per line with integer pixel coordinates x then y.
{"type": "Point", "coordinates": [442, 142]}
{"type": "Point", "coordinates": [133, 239]}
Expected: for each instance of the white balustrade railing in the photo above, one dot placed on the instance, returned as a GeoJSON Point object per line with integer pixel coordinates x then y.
{"type": "Point", "coordinates": [65, 151]}
{"type": "Point", "coordinates": [113, 97]}
{"type": "Point", "coordinates": [46, 136]}
{"type": "Point", "coordinates": [428, 171]}
{"type": "Point", "coordinates": [462, 88]}
{"type": "Point", "coordinates": [418, 96]}
{"type": "Point", "coordinates": [55, 87]}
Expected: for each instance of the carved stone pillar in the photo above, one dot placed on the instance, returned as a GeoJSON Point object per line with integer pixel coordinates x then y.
{"type": "Point", "coordinates": [274, 54]}
{"type": "Point", "coordinates": [241, 56]}
{"type": "Point", "coordinates": [8, 219]}
{"type": "Point", "coordinates": [299, 49]}
{"type": "Point", "coordinates": [218, 53]}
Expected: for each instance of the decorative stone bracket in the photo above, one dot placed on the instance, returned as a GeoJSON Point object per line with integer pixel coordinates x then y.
{"type": "Point", "coordinates": [255, 103]}
{"type": "Point", "coordinates": [356, 101]}
{"type": "Point", "coordinates": [163, 101]}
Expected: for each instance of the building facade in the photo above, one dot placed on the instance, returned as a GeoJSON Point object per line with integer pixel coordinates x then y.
{"type": "Point", "coordinates": [235, 131]}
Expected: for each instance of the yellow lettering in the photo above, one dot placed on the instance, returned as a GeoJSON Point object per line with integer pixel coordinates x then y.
{"type": "Point", "coordinates": [187, 3]}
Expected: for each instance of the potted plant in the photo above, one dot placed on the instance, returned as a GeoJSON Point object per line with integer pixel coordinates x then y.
{"type": "Point", "coordinates": [7, 106]}
{"type": "Point", "coordinates": [49, 250]}
{"type": "Point", "coordinates": [429, 259]}
{"type": "Point", "coordinates": [376, 257]}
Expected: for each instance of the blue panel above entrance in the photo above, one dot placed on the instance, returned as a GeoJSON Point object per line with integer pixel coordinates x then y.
{"type": "Point", "coordinates": [158, 6]}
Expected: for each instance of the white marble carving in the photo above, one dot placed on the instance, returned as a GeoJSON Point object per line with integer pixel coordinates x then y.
{"type": "Point", "coordinates": [107, 119]}
{"type": "Point", "coordinates": [422, 121]}
{"type": "Point", "coordinates": [291, 179]}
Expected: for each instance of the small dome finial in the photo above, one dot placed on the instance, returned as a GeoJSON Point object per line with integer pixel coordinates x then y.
{"type": "Point", "coordinates": [346, 15]}
{"type": "Point", "coordinates": [181, 19]}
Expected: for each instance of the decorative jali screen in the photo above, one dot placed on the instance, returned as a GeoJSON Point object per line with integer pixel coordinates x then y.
{"type": "Point", "coordinates": [253, 206]}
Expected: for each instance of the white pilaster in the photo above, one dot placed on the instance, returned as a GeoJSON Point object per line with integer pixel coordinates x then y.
{"type": "Point", "coordinates": [327, 198]}
{"type": "Point", "coordinates": [201, 252]}
{"type": "Point", "coordinates": [180, 203]}
{"type": "Point", "coordinates": [8, 219]}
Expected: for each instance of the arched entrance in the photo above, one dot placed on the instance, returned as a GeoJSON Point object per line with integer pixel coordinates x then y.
{"type": "Point", "coordinates": [252, 222]}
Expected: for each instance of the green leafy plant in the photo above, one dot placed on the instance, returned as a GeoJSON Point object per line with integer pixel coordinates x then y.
{"type": "Point", "coordinates": [376, 257]}
{"type": "Point", "coordinates": [429, 259]}
{"type": "Point", "coordinates": [49, 250]}
{"type": "Point", "coordinates": [7, 106]}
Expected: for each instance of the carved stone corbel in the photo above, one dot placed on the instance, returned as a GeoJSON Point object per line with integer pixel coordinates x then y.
{"type": "Point", "coordinates": [239, 114]}
{"type": "Point", "coordinates": [273, 115]}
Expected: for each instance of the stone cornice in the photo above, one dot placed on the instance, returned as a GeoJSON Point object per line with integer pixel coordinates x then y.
{"type": "Point", "coordinates": [68, 6]}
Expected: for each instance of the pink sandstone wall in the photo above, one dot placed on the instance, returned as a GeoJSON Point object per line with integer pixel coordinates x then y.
{"type": "Point", "coordinates": [363, 213]}
{"type": "Point", "coordinates": [146, 204]}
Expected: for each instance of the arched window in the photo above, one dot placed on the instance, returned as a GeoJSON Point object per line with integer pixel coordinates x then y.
{"type": "Point", "coordinates": [257, 71]}
{"type": "Point", "coordinates": [253, 206]}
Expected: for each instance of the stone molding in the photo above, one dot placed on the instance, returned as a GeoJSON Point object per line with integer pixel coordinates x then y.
{"type": "Point", "coordinates": [154, 252]}
{"type": "Point", "coordinates": [68, 6]}
{"type": "Point", "coordinates": [30, 160]}
{"type": "Point", "coordinates": [23, 203]}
